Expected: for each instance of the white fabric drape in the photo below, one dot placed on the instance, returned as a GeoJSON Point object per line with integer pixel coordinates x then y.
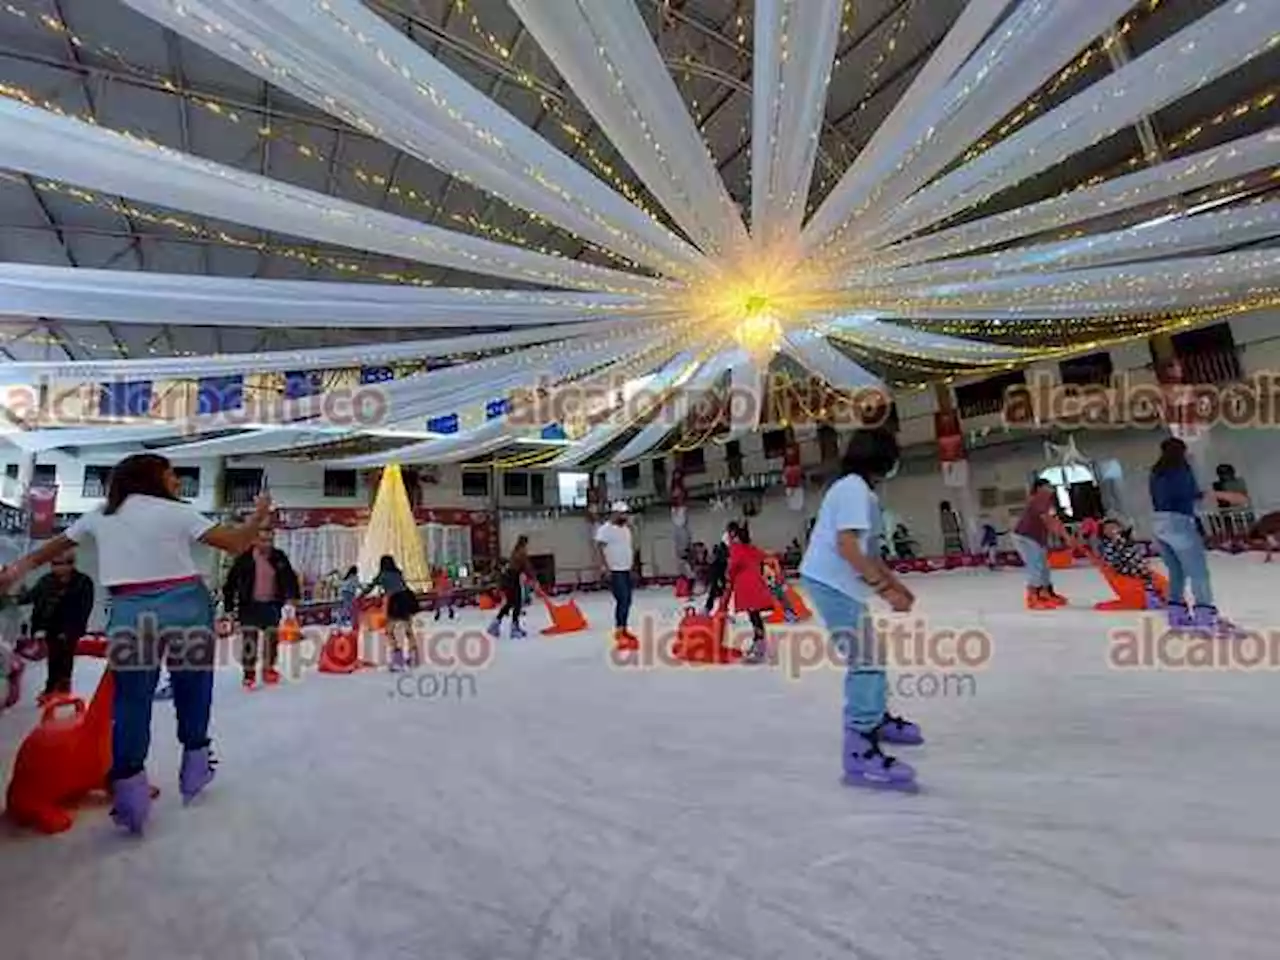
{"type": "Point", "coordinates": [303, 358]}
{"type": "Point", "coordinates": [343, 58]}
{"type": "Point", "coordinates": [1144, 241]}
{"type": "Point", "coordinates": [1212, 46]}
{"type": "Point", "coordinates": [891, 338]}
{"type": "Point", "coordinates": [1036, 39]}
{"type": "Point", "coordinates": [45, 144]}
{"type": "Point", "coordinates": [792, 57]}
{"type": "Point", "coordinates": [603, 48]}
{"type": "Point", "coordinates": [122, 296]}
{"type": "Point", "coordinates": [748, 387]}
{"type": "Point", "coordinates": [1174, 178]}
{"type": "Point", "coordinates": [812, 350]}
{"type": "Point", "coordinates": [671, 415]}
{"type": "Point", "coordinates": [974, 22]}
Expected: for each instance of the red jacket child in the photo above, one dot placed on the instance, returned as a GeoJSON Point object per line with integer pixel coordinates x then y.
{"type": "Point", "coordinates": [746, 578]}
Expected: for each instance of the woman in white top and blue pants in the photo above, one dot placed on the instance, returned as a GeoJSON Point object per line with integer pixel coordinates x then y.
{"type": "Point", "coordinates": [842, 567]}
{"type": "Point", "coordinates": [160, 608]}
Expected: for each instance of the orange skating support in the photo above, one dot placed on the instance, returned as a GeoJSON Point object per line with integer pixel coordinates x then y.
{"type": "Point", "coordinates": [62, 760]}
{"type": "Point", "coordinates": [91, 646]}
{"type": "Point", "coordinates": [684, 588]}
{"type": "Point", "coordinates": [565, 617]}
{"type": "Point", "coordinates": [1061, 559]}
{"type": "Point", "coordinates": [486, 601]}
{"type": "Point", "coordinates": [1130, 592]}
{"type": "Point", "coordinates": [341, 653]}
{"type": "Point", "coordinates": [798, 607]}
{"type": "Point", "coordinates": [700, 639]}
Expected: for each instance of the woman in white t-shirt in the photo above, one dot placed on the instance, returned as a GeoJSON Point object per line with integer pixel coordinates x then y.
{"type": "Point", "coordinates": [841, 569]}
{"type": "Point", "coordinates": [160, 608]}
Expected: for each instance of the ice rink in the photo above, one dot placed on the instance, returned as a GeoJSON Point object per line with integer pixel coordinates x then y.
{"type": "Point", "coordinates": [556, 806]}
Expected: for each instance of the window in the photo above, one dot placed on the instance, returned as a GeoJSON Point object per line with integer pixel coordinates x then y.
{"type": "Point", "coordinates": [475, 483]}
{"type": "Point", "coordinates": [987, 396]}
{"type": "Point", "coordinates": [631, 476]}
{"type": "Point", "coordinates": [1093, 368]}
{"type": "Point", "coordinates": [515, 484]}
{"type": "Point", "coordinates": [573, 489]}
{"type": "Point", "coordinates": [1207, 355]}
{"type": "Point", "coordinates": [340, 483]}
{"type": "Point", "coordinates": [693, 461]}
{"type": "Point", "coordinates": [241, 485]}
{"type": "Point", "coordinates": [45, 475]}
{"type": "Point", "coordinates": [188, 482]}
{"type": "Point", "coordinates": [11, 471]}
{"type": "Point", "coordinates": [659, 468]}
{"type": "Point", "coordinates": [733, 458]}
{"type": "Point", "coordinates": [828, 443]}
{"type": "Point", "coordinates": [775, 444]}
{"type": "Point", "coordinates": [95, 481]}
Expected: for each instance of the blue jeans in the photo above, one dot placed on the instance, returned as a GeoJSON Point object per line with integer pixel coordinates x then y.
{"type": "Point", "coordinates": [1183, 554]}
{"type": "Point", "coordinates": [620, 586]}
{"type": "Point", "coordinates": [866, 692]}
{"type": "Point", "coordinates": [174, 625]}
{"type": "Point", "coordinates": [1036, 559]}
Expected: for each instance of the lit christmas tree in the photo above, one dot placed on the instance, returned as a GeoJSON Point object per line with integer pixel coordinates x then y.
{"type": "Point", "coordinates": [392, 530]}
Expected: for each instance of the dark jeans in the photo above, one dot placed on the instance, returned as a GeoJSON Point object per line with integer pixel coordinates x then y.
{"type": "Point", "coordinates": [514, 594]}
{"type": "Point", "coordinates": [715, 590]}
{"type": "Point", "coordinates": [259, 628]}
{"type": "Point", "coordinates": [620, 587]}
{"type": "Point", "coordinates": [62, 658]}
{"type": "Point", "coordinates": [174, 624]}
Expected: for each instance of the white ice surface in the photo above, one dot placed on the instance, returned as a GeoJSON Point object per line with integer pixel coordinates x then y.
{"type": "Point", "coordinates": [572, 810]}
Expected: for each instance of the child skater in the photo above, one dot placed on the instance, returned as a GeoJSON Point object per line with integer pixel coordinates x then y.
{"type": "Point", "coordinates": [143, 536]}
{"type": "Point", "coordinates": [348, 592]}
{"type": "Point", "coordinates": [776, 580]}
{"type": "Point", "coordinates": [841, 569]}
{"type": "Point", "coordinates": [716, 571]}
{"type": "Point", "coordinates": [1121, 554]}
{"type": "Point", "coordinates": [745, 575]}
{"type": "Point", "coordinates": [443, 592]}
{"type": "Point", "coordinates": [402, 604]}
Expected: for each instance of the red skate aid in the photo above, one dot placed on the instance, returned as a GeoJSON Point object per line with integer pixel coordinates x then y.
{"type": "Point", "coordinates": [61, 760]}
{"type": "Point", "coordinates": [700, 639]}
{"type": "Point", "coordinates": [1130, 592]}
{"type": "Point", "coordinates": [565, 617]}
{"type": "Point", "coordinates": [340, 653]}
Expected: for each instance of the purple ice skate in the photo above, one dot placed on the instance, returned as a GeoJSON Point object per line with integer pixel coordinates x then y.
{"type": "Point", "coordinates": [397, 661]}
{"type": "Point", "coordinates": [1208, 620]}
{"type": "Point", "coordinates": [1179, 616]}
{"type": "Point", "coordinates": [494, 629]}
{"type": "Point", "coordinates": [196, 772]}
{"type": "Point", "coordinates": [1153, 600]}
{"type": "Point", "coordinates": [900, 731]}
{"type": "Point", "coordinates": [866, 766]}
{"type": "Point", "coordinates": [517, 633]}
{"type": "Point", "coordinates": [131, 802]}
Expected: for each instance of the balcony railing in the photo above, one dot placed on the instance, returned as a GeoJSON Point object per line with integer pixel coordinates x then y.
{"type": "Point", "coordinates": [1211, 366]}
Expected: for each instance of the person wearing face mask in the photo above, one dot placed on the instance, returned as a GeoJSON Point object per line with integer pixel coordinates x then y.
{"type": "Point", "coordinates": [841, 570]}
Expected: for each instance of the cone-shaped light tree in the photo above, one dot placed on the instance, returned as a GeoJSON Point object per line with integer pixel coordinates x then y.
{"type": "Point", "coordinates": [392, 530]}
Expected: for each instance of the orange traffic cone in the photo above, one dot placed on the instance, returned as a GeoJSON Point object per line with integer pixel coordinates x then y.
{"type": "Point", "coordinates": [565, 617]}
{"type": "Point", "coordinates": [62, 760]}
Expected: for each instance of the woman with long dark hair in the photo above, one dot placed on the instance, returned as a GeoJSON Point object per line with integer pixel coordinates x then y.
{"type": "Point", "coordinates": [160, 608]}
{"type": "Point", "coordinates": [402, 606]}
{"type": "Point", "coordinates": [842, 568]}
{"type": "Point", "coordinates": [513, 590]}
{"type": "Point", "coordinates": [1174, 496]}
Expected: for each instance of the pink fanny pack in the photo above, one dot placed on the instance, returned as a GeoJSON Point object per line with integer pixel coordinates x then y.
{"type": "Point", "coordinates": [124, 589]}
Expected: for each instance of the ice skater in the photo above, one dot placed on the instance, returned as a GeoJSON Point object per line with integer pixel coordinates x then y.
{"type": "Point", "coordinates": [717, 571]}
{"type": "Point", "coordinates": [747, 587]}
{"type": "Point", "coordinates": [348, 592]}
{"type": "Point", "coordinates": [402, 606]}
{"type": "Point", "coordinates": [1174, 496]}
{"type": "Point", "coordinates": [144, 535]}
{"type": "Point", "coordinates": [260, 582]}
{"type": "Point", "coordinates": [512, 584]}
{"type": "Point", "coordinates": [616, 552]}
{"type": "Point", "coordinates": [1121, 554]}
{"type": "Point", "coordinates": [841, 569]}
{"type": "Point", "coordinates": [443, 592]}
{"type": "Point", "coordinates": [1031, 540]}
{"type": "Point", "coordinates": [61, 603]}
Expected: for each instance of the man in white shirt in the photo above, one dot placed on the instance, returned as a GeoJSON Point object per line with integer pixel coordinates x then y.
{"type": "Point", "coordinates": [616, 551]}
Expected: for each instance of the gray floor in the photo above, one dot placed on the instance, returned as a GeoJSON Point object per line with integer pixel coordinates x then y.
{"type": "Point", "coordinates": [573, 810]}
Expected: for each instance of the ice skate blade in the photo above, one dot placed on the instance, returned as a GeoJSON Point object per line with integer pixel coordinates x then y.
{"type": "Point", "coordinates": [893, 786]}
